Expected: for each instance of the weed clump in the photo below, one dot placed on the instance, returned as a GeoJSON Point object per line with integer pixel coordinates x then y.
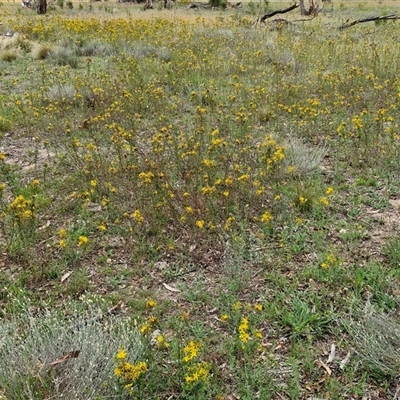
{"type": "Point", "coordinates": [41, 51]}
{"type": "Point", "coordinates": [63, 56]}
{"type": "Point", "coordinates": [392, 251]}
{"type": "Point", "coordinates": [5, 125]}
{"type": "Point", "coordinates": [95, 48]}
{"type": "Point", "coordinates": [61, 94]}
{"type": "Point", "coordinates": [302, 157]}
{"type": "Point", "coordinates": [8, 55]}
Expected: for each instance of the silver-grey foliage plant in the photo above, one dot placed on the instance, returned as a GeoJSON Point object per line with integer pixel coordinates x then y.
{"type": "Point", "coordinates": [33, 346]}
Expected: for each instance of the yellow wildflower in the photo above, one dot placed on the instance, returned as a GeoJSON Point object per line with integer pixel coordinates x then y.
{"type": "Point", "coordinates": [161, 342]}
{"type": "Point", "coordinates": [26, 214]}
{"type": "Point", "coordinates": [197, 373]}
{"type": "Point", "coordinates": [329, 191]}
{"type": "Point", "coordinates": [185, 316]}
{"type": "Point", "coordinates": [150, 303]}
{"type": "Point", "coordinates": [21, 207]}
{"type": "Point", "coordinates": [130, 372]}
{"type": "Point", "coordinates": [145, 329]}
{"type": "Point", "coordinates": [146, 177]}
{"type": "Point", "coordinates": [237, 306]}
{"type": "Point", "coordinates": [324, 201]}
{"type": "Point", "coordinates": [229, 181]}
{"type": "Point", "coordinates": [62, 233]}
{"type": "Point", "coordinates": [291, 169]}
{"type": "Point", "coordinates": [244, 177]}
{"type": "Point", "coordinates": [152, 320]}
{"type": "Point", "coordinates": [82, 240]}
{"type": "Point", "coordinates": [228, 223]}
{"type": "Point", "coordinates": [208, 163]}
{"type": "Point", "coordinates": [191, 351]}
{"type": "Point", "coordinates": [138, 217]}
{"type": "Point", "coordinates": [243, 330]}
{"type": "Point", "coordinates": [200, 224]}
{"type": "Point", "coordinates": [208, 189]}
{"type": "Point", "coordinates": [121, 355]}
{"type": "Point", "coordinates": [266, 217]}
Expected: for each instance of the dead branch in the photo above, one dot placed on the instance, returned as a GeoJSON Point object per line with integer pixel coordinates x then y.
{"type": "Point", "coordinates": [369, 19]}
{"type": "Point", "coordinates": [271, 14]}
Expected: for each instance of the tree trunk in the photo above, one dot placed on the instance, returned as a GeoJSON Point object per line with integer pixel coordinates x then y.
{"type": "Point", "coordinates": [312, 9]}
{"type": "Point", "coordinates": [42, 7]}
{"type": "Point", "coordinates": [149, 4]}
{"type": "Point", "coordinates": [303, 10]}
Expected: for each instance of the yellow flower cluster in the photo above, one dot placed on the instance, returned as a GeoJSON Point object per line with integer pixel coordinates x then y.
{"type": "Point", "coordinates": [146, 327]}
{"type": "Point", "coordinates": [83, 240]}
{"type": "Point", "coordinates": [21, 208]}
{"type": "Point", "coordinates": [150, 303]}
{"type": "Point", "coordinates": [266, 217]}
{"type": "Point", "coordinates": [161, 342]}
{"type": "Point", "coordinates": [128, 372]}
{"type": "Point", "coordinates": [330, 261]}
{"type": "Point", "coordinates": [196, 373]}
{"type": "Point", "coordinates": [191, 350]}
{"type": "Point", "coordinates": [243, 330]}
{"type": "Point", "coordinates": [138, 217]}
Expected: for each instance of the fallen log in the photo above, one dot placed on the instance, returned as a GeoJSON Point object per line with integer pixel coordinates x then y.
{"type": "Point", "coordinates": [198, 5]}
{"type": "Point", "coordinates": [369, 19]}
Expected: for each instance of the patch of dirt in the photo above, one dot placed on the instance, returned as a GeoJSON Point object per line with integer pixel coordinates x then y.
{"type": "Point", "coordinates": [26, 154]}
{"type": "Point", "coordinates": [377, 227]}
{"type": "Point", "coordinates": [386, 224]}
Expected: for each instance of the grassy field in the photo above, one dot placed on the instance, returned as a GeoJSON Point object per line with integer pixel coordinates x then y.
{"type": "Point", "coordinates": [195, 207]}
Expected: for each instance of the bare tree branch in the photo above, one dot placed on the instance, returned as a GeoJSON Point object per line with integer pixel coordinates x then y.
{"type": "Point", "coordinates": [272, 13]}
{"type": "Point", "coordinates": [369, 19]}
